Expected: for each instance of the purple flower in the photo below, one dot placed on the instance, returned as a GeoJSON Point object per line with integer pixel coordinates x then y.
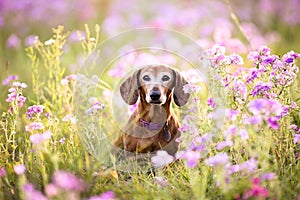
{"type": "Point", "coordinates": [273, 122]}
{"type": "Point", "coordinates": [162, 158]}
{"type": "Point", "coordinates": [219, 59]}
{"type": "Point", "coordinates": [2, 172]}
{"type": "Point", "coordinates": [261, 88]}
{"type": "Point", "coordinates": [294, 127]}
{"type": "Point", "coordinates": [221, 145]}
{"type": "Point", "coordinates": [10, 78]}
{"type": "Point", "coordinates": [230, 132]}
{"type": "Point", "coordinates": [220, 159]}
{"type": "Point", "coordinates": [13, 42]}
{"type": "Point", "coordinates": [253, 74]}
{"type": "Point", "coordinates": [269, 59]}
{"type": "Point", "coordinates": [236, 59]}
{"type": "Point", "coordinates": [264, 50]}
{"type": "Point", "coordinates": [97, 106]}
{"type": "Point", "coordinates": [67, 181]}
{"type": "Point", "coordinates": [31, 193]}
{"type": "Point", "coordinates": [265, 107]}
{"type": "Point", "coordinates": [268, 176]}
{"type": "Point", "coordinates": [231, 115]}
{"type": "Point", "coordinates": [254, 120]}
{"type": "Point", "coordinates": [290, 57]}
{"type": "Point", "coordinates": [254, 56]}
{"type": "Point", "coordinates": [29, 41]}
{"type": "Point", "coordinates": [289, 60]}
{"type": "Point", "coordinates": [108, 195]}
{"type": "Point", "coordinates": [19, 169]}
{"type": "Point", "coordinates": [296, 138]}
{"type": "Point", "coordinates": [248, 166]}
{"type": "Point", "coordinates": [239, 88]}
{"type": "Point", "coordinates": [192, 157]}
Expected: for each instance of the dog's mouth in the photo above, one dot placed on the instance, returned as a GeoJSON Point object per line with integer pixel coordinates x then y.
{"type": "Point", "coordinates": [155, 102]}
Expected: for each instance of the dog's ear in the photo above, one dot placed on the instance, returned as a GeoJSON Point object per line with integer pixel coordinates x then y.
{"type": "Point", "coordinates": [129, 88]}
{"type": "Point", "coordinates": [179, 96]}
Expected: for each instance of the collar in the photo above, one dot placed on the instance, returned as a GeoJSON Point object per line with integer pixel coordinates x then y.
{"type": "Point", "coordinates": [150, 125]}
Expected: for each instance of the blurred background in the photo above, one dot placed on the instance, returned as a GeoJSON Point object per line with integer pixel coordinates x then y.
{"type": "Point", "coordinates": [238, 25]}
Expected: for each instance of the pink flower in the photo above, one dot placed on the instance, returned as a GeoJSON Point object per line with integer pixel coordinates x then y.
{"type": "Point", "coordinates": [21, 100]}
{"type": "Point", "coordinates": [47, 135]}
{"type": "Point", "coordinates": [191, 88]}
{"type": "Point", "coordinates": [161, 181]}
{"type": "Point", "coordinates": [51, 190]}
{"type": "Point", "coordinates": [34, 126]}
{"type": "Point", "coordinates": [38, 138]}
{"type": "Point", "coordinates": [296, 138]}
{"type": "Point", "coordinates": [2, 172]}
{"type": "Point", "coordinates": [162, 158]}
{"type": "Point", "coordinates": [19, 84]}
{"type": "Point", "coordinates": [67, 181]}
{"type": "Point", "coordinates": [19, 169]}
{"type": "Point", "coordinates": [256, 191]}
{"type": "Point", "coordinates": [67, 79]}
{"type": "Point", "coordinates": [211, 102]}
{"type": "Point", "coordinates": [35, 109]}
{"type": "Point", "coordinates": [32, 194]}
{"type": "Point", "coordinates": [108, 195]}
{"type": "Point", "coordinates": [62, 140]}
{"type": "Point", "coordinates": [243, 134]}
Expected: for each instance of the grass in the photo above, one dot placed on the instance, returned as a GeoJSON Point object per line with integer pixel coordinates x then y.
{"type": "Point", "coordinates": [273, 150]}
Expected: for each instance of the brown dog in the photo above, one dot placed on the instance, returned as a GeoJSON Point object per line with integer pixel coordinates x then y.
{"type": "Point", "coordinates": [152, 126]}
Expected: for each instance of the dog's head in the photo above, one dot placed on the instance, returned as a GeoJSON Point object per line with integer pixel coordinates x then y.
{"type": "Point", "coordinates": [154, 83]}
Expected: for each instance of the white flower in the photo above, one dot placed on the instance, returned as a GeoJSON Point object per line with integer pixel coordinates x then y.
{"type": "Point", "coordinates": [161, 159]}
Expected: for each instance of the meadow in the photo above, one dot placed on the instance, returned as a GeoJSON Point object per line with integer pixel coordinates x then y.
{"type": "Point", "coordinates": [61, 67]}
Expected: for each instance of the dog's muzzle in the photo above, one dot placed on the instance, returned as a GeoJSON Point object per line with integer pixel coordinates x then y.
{"type": "Point", "coordinates": [155, 95]}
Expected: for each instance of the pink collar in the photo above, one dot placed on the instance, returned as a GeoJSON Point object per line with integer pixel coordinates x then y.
{"type": "Point", "coordinates": [150, 125]}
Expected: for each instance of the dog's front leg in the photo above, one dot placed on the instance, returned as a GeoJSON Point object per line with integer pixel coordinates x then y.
{"type": "Point", "coordinates": [119, 142]}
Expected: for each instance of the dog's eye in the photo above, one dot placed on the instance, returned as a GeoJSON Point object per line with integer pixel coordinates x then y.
{"type": "Point", "coordinates": [146, 78]}
{"type": "Point", "coordinates": [165, 78]}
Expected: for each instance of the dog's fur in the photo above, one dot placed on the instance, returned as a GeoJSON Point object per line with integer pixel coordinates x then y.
{"type": "Point", "coordinates": [144, 82]}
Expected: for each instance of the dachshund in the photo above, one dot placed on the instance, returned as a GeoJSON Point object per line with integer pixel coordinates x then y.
{"type": "Point", "coordinates": [152, 125]}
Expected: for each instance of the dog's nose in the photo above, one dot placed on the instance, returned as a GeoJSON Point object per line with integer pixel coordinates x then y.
{"type": "Point", "coordinates": [155, 94]}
